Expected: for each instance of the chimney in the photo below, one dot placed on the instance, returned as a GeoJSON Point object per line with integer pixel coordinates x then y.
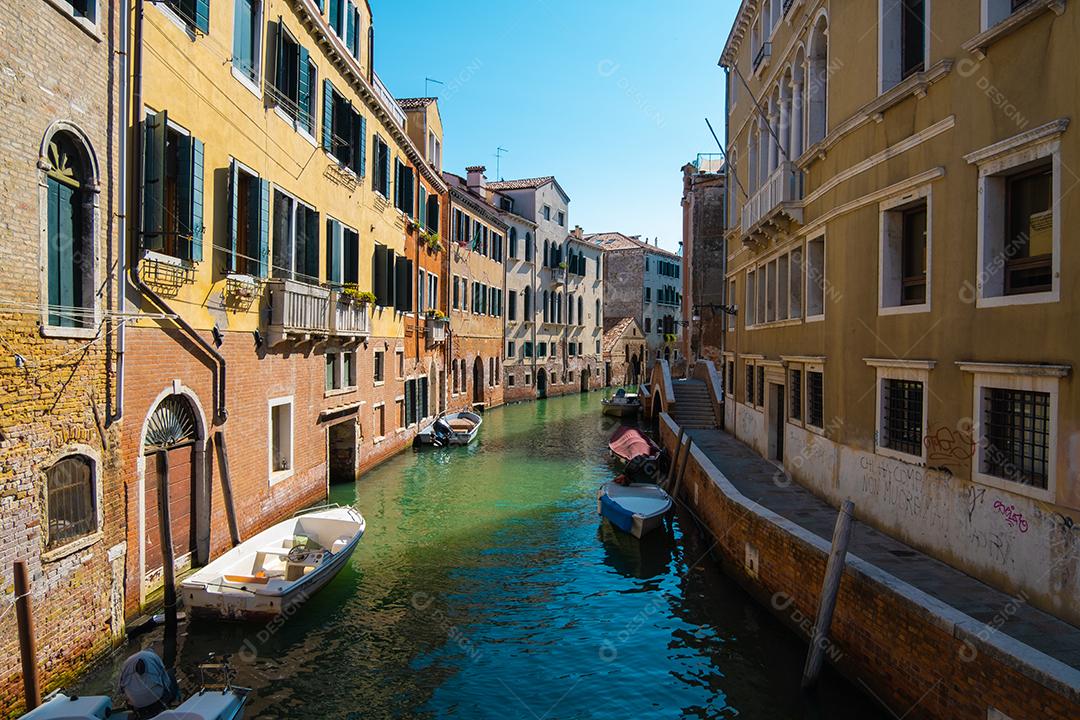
{"type": "Point", "coordinates": [477, 180]}
{"type": "Point", "coordinates": [578, 232]}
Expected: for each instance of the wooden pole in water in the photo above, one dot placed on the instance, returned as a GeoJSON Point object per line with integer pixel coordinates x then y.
{"type": "Point", "coordinates": [675, 458]}
{"type": "Point", "coordinates": [27, 646]}
{"type": "Point", "coordinates": [226, 487]}
{"type": "Point", "coordinates": [829, 590]}
{"type": "Point", "coordinates": [167, 558]}
{"type": "Point", "coordinates": [682, 468]}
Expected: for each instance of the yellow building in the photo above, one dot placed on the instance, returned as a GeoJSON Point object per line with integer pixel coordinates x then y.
{"type": "Point", "coordinates": [276, 185]}
{"type": "Point", "coordinates": [901, 180]}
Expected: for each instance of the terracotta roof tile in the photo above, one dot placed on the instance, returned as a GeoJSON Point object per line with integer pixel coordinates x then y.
{"type": "Point", "coordinates": [523, 184]}
{"type": "Point", "coordinates": [615, 332]}
{"type": "Point", "coordinates": [415, 103]}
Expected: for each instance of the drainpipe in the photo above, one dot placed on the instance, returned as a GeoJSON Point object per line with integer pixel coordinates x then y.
{"type": "Point", "coordinates": [121, 250]}
{"type": "Point", "coordinates": [220, 411]}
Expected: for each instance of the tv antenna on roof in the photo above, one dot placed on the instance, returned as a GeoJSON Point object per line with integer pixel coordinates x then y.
{"type": "Point", "coordinates": [498, 160]}
{"type": "Point", "coordinates": [428, 81]}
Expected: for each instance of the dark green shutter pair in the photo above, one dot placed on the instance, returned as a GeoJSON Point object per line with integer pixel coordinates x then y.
{"type": "Point", "coordinates": [66, 230]}
{"type": "Point", "coordinates": [328, 116]}
{"type": "Point", "coordinates": [189, 184]}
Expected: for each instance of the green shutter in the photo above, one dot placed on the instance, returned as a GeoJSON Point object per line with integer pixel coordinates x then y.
{"type": "Point", "coordinates": [390, 278]}
{"type": "Point", "coordinates": [303, 91]}
{"type": "Point", "coordinates": [378, 274]}
{"type": "Point", "coordinates": [350, 24]}
{"type": "Point", "coordinates": [410, 277]}
{"type": "Point", "coordinates": [234, 220]}
{"type": "Point", "coordinates": [202, 16]}
{"type": "Point", "coordinates": [397, 184]}
{"type": "Point", "coordinates": [197, 170]}
{"type": "Point", "coordinates": [363, 147]}
{"type": "Point", "coordinates": [422, 207]}
{"type": "Point", "coordinates": [333, 251]}
{"type": "Point", "coordinates": [183, 196]}
{"type": "Point", "coordinates": [65, 218]}
{"type": "Point", "coordinates": [335, 15]}
{"type": "Point", "coordinates": [328, 116]}
{"type": "Point", "coordinates": [311, 244]}
{"type": "Point", "coordinates": [154, 180]}
{"type": "Point", "coordinates": [264, 227]}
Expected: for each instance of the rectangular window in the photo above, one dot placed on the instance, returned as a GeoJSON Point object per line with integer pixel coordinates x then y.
{"type": "Point", "coordinates": [795, 307]}
{"type": "Point", "coordinates": [340, 370]}
{"type": "Point", "coordinates": [749, 384]}
{"type": "Point", "coordinates": [902, 416]}
{"type": "Point", "coordinates": [731, 378]}
{"type": "Point", "coordinates": [648, 324]}
{"type": "Point", "coordinates": [509, 348]}
{"type": "Point", "coordinates": [384, 276]}
{"type": "Point", "coordinates": [379, 421]}
{"type": "Point", "coordinates": [562, 219]}
{"type": "Point", "coordinates": [913, 36]}
{"type": "Point", "coordinates": [795, 403]}
{"type": "Point", "coordinates": [541, 349]}
{"type": "Point", "coordinates": [759, 387]}
{"type": "Point", "coordinates": [343, 129]}
{"type": "Point", "coordinates": [294, 80]}
{"type": "Point", "coordinates": [381, 171]}
{"type": "Point", "coordinates": [281, 439]}
{"type": "Point", "coordinates": [83, 9]}
{"type": "Point", "coordinates": [403, 284]}
{"type": "Point", "coordinates": [296, 240]}
{"type": "Point", "coordinates": [410, 402]}
{"type": "Point", "coordinates": [815, 277]}
{"type": "Point", "coordinates": [433, 291]}
{"type": "Point", "coordinates": [547, 212]}
{"type": "Point", "coordinates": [1017, 432]}
{"type": "Point", "coordinates": [527, 351]}
{"type": "Point", "coordinates": [172, 198]}
{"type": "Point", "coordinates": [380, 365]}
{"type": "Point", "coordinates": [511, 307]}
{"type": "Point", "coordinates": [247, 23]}
{"type": "Point", "coordinates": [1029, 224]}
{"type": "Point", "coordinates": [195, 13]}
{"type": "Point", "coordinates": [751, 298]}
{"type": "Point", "coordinates": [913, 257]}
{"type": "Point", "coordinates": [457, 293]}
{"type": "Point", "coordinates": [815, 399]}
{"type": "Point", "coordinates": [403, 189]}
{"type": "Point", "coordinates": [770, 292]}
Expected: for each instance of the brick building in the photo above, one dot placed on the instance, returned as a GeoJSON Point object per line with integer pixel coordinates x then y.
{"type": "Point", "coordinates": [623, 349]}
{"type": "Point", "coordinates": [283, 204]}
{"type": "Point", "coordinates": [477, 274]}
{"type": "Point", "coordinates": [705, 291]}
{"type": "Point", "coordinates": [60, 486]}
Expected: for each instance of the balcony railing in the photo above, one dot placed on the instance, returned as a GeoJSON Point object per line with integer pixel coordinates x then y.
{"type": "Point", "coordinates": [435, 330]}
{"type": "Point", "coordinates": [388, 101]}
{"type": "Point", "coordinates": [763, 53]}
{"type": "Point", "coordinates": [298, 311]}
{"type": "Point", "coordinates": [558, 275]}
{"type": "Point", "coordinates": [348, 318]}
{"type": "Point", "coordinates": [783, 186]}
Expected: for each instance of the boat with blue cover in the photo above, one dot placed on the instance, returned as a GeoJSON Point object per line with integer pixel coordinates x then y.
{"type": "Point", "coordinates": [637, 508]}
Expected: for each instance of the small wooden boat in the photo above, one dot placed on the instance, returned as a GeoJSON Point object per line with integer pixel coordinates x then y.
{"type": "Point", "coordinates": [278, 568]}
{"type": "Point", "coordinates": [622, 404]}
{"type": "Point", "coordinates": [59, 706]}
{"type": "Point", "coordinates": [458, 428]}
{"type": "Point", "coordinates": [637, 508]}
{"type": "Point", "coordinates": [636, 455]}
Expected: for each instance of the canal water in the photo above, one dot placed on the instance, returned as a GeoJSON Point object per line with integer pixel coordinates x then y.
{"type": "Point", "coordinates": [487, 587]}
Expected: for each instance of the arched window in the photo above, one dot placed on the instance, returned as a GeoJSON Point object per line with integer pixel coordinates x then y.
{"type": "Point", "coordinates": [599, 320]}
{"type": "Point", "coordinates": [528, 304]}
{"type": "Point", "coordinates": [817, 83]}
{"type": "Point", "coordinates": [513, 242]}
{"type": "Point", "coordinates": [580, 311]}
{"type": "Point", "coordinates": [528, 247]}
{"type": "Point", "coordinates": [69, 188]}
{"type": "Point", "coordinates": [570, 310]}
{"type": "Point", "coordinates": [72, 500]}
{"type": "Point", "coordinates": [547, 252]}
{"type": "Point", "coordinates": [547, 308]}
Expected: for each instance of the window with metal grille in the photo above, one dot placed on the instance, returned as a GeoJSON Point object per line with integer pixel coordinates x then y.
{"type": "Point", "coordinates": [1017, 432]}
{"type": "Point", "coordinates": [72, 507]}
{"type": "Point", "coordinates": [901, 415]}
{"type": "Point", "coordinates": [815, 399]}
{"type": "Point", "coordinates": [749, 384]}
{"type": "Point", "coordinates": [796, 395]}
{"type": "Point", "coordinates": [760, 386]}
{"type": "Point", "coordinates": [731, 377]}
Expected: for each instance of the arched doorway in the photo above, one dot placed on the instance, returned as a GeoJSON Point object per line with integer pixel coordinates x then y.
{"type": "Point", "coordinates": [585, 373]}
{"type": "Point", "coordinates": [174, 441]}
{"type": "Point", "coordinates": [478, 381]}
{"type": "Point", "coordinates": [541, 383]}
{"type": "Point", "coordinates": [635, 370]}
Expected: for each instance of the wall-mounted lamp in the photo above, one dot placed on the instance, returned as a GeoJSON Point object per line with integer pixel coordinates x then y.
{"type": "Point", "coordinates": [218, 337]}
{"type": "Point", "coordinates": [258, 338]}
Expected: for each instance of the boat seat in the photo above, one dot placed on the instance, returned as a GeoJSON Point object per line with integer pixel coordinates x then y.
{"type": "Point", "coordinates": [460, 425]}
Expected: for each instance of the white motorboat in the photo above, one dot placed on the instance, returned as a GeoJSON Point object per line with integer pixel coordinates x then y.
{"type": "Point", "coordinates": [457, 428]}
{"type": "Point", "coordinates": [622, 404]}
{"type": "Point", "coordinates": [278, 568]}
{"type": "Point", "coordinates": [638, 508]}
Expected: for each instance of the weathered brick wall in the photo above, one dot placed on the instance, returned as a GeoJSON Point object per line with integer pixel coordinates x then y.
{"type": "Point", "coordinates": [915, 659]}
{"type": "Point", "coordinates": [157, 357]}
{"type": "Point", "coordinates": [469, 348]}
{"type": "Point", "coordinates": [53, 70]}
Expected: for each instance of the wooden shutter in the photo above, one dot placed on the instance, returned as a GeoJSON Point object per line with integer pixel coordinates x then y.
{"type": "Point", "coordinates": [350, 257]}
{"type": "Point", "coordinates": [422, 206]}
{"type": "Point", "coordinates": [433, 213]}
{"type": "Point", "coordinates": [264, 227]}
{"type": "Point", "coordinates": [356, 141]}
{"type": "Point", "coordinates": [183, 196]}
{"type": "Point", "coordinates": [197, 200]}
{"type": "Point", "coordinates": [378, 274]}
{"type": "Point", "coordinates": [202, 16]}
{"type": "Point", "coordinates": [400, 281]}
{"type": "Point", "coordinates": [362, 168]}
{"type": "Point", "coordinates": [303, 92]}
{"type": "Point", "coordinates": [309, 242]}
{"type": "Point", "coordinates": [328, 115]}
{"type": "Point", "coordinates": [391, 278]}
{"type": "Point", "coordinates": [234, 195]}
{"type": "Point", "coordinates": [333, 251]}
{"type": "Point", "coordinates": [154, 180]}
{"type": "Point", "coordinates": [410, 289]}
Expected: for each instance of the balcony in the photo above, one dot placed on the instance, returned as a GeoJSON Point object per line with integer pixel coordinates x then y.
{"type": "Point", "coordinates": [298, 311]}
{"type": "Point", "coordinates": [558, 275]}
{"type": "Point", "coordinates": [435, 330]}
{"type": "Point", "coordinates": [764, 53]}
{"type": "Point", "coordinates": [775, 207]}
{"type": "Point", "coordinates": [348, 318]}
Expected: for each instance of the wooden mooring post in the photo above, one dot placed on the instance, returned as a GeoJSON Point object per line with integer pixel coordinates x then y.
{"type": "Point", "coordinates": [829, 590]}
{"type": "Point", "coordinates": [27, 645]}
{"type": "Point", "coordinates": [674, 459]}
{"type": "Point", "coordinates": [226, 487]}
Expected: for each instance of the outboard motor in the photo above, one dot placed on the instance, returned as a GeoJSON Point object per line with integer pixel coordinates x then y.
{"type": "Point", "coordinates": [146, 683]}
{"type": "Point", "coordinates": [440, 431]}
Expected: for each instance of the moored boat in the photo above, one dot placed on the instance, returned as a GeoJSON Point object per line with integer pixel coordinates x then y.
{"type": "Point", "coordinates": [622, 404]}
{"type": "Point", "coordinates": [457, 428]}
{"type": "Point", "coordinates": [276, 569]}
{"type": "Point", "coordinates": [637, 508]}
{"type": "Point", "coordinates": [639, 458]}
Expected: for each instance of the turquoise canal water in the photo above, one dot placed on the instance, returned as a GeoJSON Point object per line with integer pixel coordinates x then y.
{"type": "Point", "coordinates": [487, 587]}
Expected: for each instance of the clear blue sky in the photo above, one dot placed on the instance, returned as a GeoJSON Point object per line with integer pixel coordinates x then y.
{"type": "Point", "coordinates": [610, 97]}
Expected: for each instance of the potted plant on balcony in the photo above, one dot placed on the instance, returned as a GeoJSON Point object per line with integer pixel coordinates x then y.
{"type": "Point", "coordinates": [356, 295]}
{"type": "Point", "coordinates": [434, 314]}
{"type": "Point", "coordinates": [562, 265]}
{"type": "Point", "coordinates": [432, 241]}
